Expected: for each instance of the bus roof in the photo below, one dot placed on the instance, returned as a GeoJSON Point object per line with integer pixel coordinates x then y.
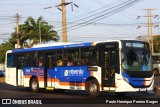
{"type": "Point", "coordinates": [42, 47]}
{"type": "Point", "coordinates": [53, 46]}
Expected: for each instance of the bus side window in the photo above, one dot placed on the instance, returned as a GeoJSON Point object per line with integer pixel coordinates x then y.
{"type": "Point", "coordinates": [10, 60]}
{"type": "Point", "coordinates": [21, 62]}
{"type": "Point", "coordinates": [89, 56]}
{"type": "Point", "coordinates": [31, 60]}
{"type": "Point", "coordinates": [59, 59]}
{"type": "Point", "coordinates": [40, 59]}
{"type": "Point", "coordinates": [93, 56]}
{"type": "Point", "coordinates": [71, 57]}
{"type": "Point", "coordinates": [85, 56]}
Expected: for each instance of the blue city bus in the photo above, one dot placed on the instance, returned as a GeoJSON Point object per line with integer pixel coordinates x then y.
{"type": "Point", "coordinates": [118, 66]}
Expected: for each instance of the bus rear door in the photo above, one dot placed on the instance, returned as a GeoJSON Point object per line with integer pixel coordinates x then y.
{"type": "Point", "coordinates": [49, 74]}
{"type": "Point", "coordinates": [19, 71]}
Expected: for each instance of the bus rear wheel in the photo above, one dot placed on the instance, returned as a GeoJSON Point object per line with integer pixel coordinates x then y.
{"type": "Point", "coordinates": [34, 85]}
{"type": "Point", "coordinates": [92, 87]}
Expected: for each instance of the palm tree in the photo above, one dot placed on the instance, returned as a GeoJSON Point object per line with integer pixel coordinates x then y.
{"type": "Point", "coordinates": [32, 30]}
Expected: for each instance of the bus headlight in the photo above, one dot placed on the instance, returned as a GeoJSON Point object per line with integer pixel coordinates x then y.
{"type": "Point", "coordinates": [126, 79]}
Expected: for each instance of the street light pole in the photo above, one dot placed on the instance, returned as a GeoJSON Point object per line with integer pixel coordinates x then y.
{"type": "Point", "coordinates": [40, 41]}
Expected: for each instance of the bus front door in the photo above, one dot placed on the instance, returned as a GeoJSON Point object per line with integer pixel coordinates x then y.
{"type": "Point", "coordinates": [108, 58]}
{"type": "Point", "coordinates": [49, 69]}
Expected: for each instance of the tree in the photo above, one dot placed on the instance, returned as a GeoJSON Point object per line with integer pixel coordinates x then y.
{"type": "Point", "coordinates": [31, 30]}
{"type": "Point", "coordinates": [3, 48]}
{"type": "Point", "coordinates": [156, 43]}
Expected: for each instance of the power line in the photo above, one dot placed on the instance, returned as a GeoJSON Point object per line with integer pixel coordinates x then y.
{"type": "Point", "coordinates": [125, 16]}
{"type": "Point", "coordinates": [25, 4]}
{"type": "Point", "coordinates": [120, 7]}
{"type": "Point", "coordinates": [99, 2]}
{"type": "Point", "coordinates": [5, 24]}
{"type": "Point", "coordinates": [109, 24]}
{"type": "Point", "coordinates": [22, 10]}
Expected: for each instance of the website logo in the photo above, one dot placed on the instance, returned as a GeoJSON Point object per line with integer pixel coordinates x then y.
{"type": "Point", "coordinates": [6, 101]}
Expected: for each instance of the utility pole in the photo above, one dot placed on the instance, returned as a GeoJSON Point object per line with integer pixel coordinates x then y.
{"type": "Point", "coordinates": [64, 25]}
{"type": "Point", "coordinates": [150, 26]}
{"type": "Point", "coordinates": [17, 30]}
{"type": "Point", "coordinates": [63, 9]}
{"type": "Point", "coordinates": [150, 23]}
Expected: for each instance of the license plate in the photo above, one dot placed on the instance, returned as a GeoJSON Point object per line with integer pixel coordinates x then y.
{"type": "Point", "coordinates": [142, 89]}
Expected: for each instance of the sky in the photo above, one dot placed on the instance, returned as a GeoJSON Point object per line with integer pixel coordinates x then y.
{"type": "Point", "coordinates": [92, 20]}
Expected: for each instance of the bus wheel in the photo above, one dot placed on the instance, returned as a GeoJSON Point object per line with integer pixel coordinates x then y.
{"type": "Point", "coordinates": [92, 87]}
{"type": "Point", "coordinates": [34, 86]}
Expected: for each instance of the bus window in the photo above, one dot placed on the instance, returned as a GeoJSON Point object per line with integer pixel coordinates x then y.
{"type": "Point", "coordinates": [59, 59]}
{"type": "Point", "coordinates": [94, 56]}
{"type": "Point", "coordinates": [10, 60]}
{"type": "Point", "coordinates": [31, 59]}
{"type": "Point", "coordinates": [85, 56]}
{"type": "Point", "coordinates": [40, 59]}
{"type": "Point", "coordinates": [50, 61]}
{"type": "Point", "coordinates": [20, 62]}
{"type": "Point", "coordinates": [71, 57]}
{"type": "Point", "coordinates": [89, 56]}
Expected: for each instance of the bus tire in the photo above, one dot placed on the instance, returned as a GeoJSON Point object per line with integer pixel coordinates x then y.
{"type": "Point", "coordinates": [92, 86]}
{"type": "Point", "coordinates": [156, 71]}
{"type": "Point", "coordinates": [34, 85]}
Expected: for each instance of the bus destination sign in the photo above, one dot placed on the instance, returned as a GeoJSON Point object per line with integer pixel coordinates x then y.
{"type": "Point", "coordinates": [135, 45]}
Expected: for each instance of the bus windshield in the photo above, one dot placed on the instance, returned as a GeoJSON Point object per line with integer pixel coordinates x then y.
{"type": "Point", "coordinates": [136, 59]}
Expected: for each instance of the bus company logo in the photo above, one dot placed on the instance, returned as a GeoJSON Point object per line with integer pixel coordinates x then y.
{"type": "Point", "coordinates": [27, 70]}
{"type": "Point", "coordinates": [66, 73]}
{"type": "Point", "coordinates": [72, 72]}
{"type": "Point", "coordinates": [6, 101]}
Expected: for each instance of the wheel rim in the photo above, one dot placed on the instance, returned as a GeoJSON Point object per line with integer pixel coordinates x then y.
{"type": "Point", "coordinates": [93, 88]}
{"type": "Point", "coordinates": [34, 85]}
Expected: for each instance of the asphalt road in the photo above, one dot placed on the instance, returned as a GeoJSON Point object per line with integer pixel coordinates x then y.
{"type": "Point", "coordinates": [8, 91]}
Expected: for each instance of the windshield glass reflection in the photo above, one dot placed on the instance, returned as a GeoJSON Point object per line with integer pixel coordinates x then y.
{"type": "Point", "coordinates": [136, 60]}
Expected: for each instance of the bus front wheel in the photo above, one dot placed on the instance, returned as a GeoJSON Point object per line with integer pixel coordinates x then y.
{"type": "Point", "coordinates": [93, 87]}
{"type": "Point", "coordinates": [34, 86]}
